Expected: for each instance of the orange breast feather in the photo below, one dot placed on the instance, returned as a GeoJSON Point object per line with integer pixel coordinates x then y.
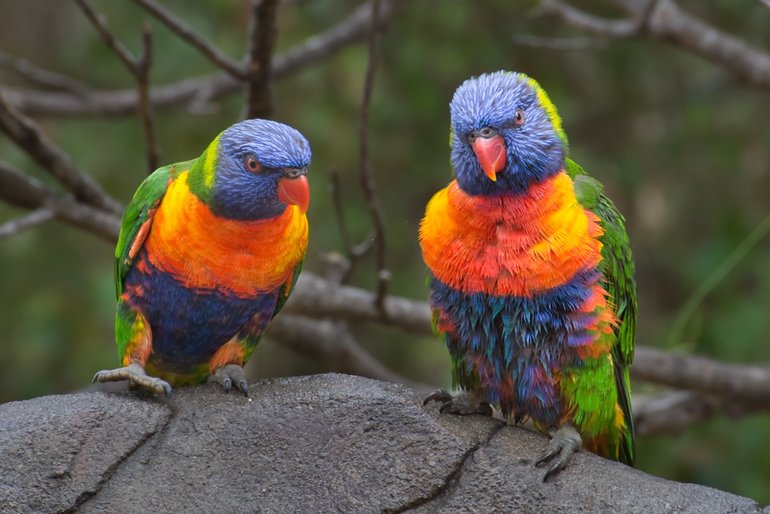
{"type": "Point", "coordinates": [510, 245]}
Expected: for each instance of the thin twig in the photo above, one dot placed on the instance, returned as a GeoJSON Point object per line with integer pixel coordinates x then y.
{"type": "Point", "coordinates": [99, 22]}
{"type": "Point", "coordinates": [123, 102]}
{"type": "Point", "coordinates": [42, 77]}
{"type": "Point", "coordinates": [139, 67]}
{"type": "Point", "coordinates": [558, 43]}
{"type": "Point", "coordinates": [595, 24]}
{"type": "Point", "coordinates": [367, 181]}
{"type": "Point", "coordinates": [259, 103]}
{"type": "Point", "coordinates": [142, 66]}
{"type": "Point", "coordinates": [18, 225]}
{"type": "Point", "coordinates": [706, 286]}
{"type": "Point", "coordinates": [188, 34]}
{"type": "Point", "coordinates": [30, 138]}
{"type": "Point", "coordinates": [353, 252]}
{"type": "Point", "coordinates": [335, 189]}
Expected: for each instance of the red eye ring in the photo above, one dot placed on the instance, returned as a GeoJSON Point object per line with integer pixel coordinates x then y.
{"type": "Point", "coordinates": [251, 163]}
{"type": "Point", "coordinates": [518, 119]}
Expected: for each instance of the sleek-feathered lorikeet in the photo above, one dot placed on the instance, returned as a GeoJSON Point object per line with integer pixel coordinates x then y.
{"type": "Point", "coordinates": [531, 275]}
{"type": "Point", "coordinates": [209, 251]}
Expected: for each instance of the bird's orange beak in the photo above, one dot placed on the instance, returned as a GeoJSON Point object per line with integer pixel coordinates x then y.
{"type": "Point", "coordinates": [491, 154]}
{"type": "Point", "coordinates": [294, 190]}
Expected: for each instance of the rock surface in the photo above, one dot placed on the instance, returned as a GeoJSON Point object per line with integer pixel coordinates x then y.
{"type": "Point", "coordinates": [326, 443]}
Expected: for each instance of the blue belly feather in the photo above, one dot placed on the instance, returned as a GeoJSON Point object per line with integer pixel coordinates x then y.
{"type": "Point", "coordinates": [189, 325]}
{"type": "Point", "coordinates": [514, 340]}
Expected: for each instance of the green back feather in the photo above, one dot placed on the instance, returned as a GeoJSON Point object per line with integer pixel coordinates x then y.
{"type": "Point", "coordinates": [617, 267]}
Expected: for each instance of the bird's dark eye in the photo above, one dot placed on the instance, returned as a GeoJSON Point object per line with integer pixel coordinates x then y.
{"type": "Point", "coordinates": [518, 118]}
{"type": "Point", "coordinates": [251, 163]}
{"type": "Point", "coordinates": [486, 132]}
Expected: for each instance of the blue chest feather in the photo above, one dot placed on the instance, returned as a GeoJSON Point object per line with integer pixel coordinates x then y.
{"type": "Point", "coordinates": [189, 325]}
{"type": "Point", "coordinates": [514, 346]}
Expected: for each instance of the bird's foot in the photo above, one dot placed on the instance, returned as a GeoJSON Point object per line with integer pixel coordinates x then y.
{"type": "Point", "coordinates": [564, 442]}
{"type": "Point", "coordinates": [464, 402]}
{"type": "Point", "coordinates": [229, 375]}
{"type": "Point", "coordinates": [136, 377]}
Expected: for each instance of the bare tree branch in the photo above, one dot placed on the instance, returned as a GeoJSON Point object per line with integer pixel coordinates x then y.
{"type": "Point", "coordinates": [188, 34]}
{"type": "Point", "coordinates": [123, 102]}
{"type": "Point", "coordinates": [664, 20]}
{"type": "Point", "coordinates": [331, 342]}
{"type": "Point", "coordinates": [365, 174]}
{"type": "Point", "coordinates": [751, 384]}
{"type": "Point", "coordinates": [42, 77]}
{"type": "Point", "coordinates": [673, 24]}
{"type": "Point", "coordinates": [594, 24]}
{"type": "Point", "coordinates": [259, 102]}
{"type": "Point", "coordinates": [30, 139]}
{"type": "Point", "coordinates": [317, 297]}
{"type": "Point", "coordinates": [22, 190]}
{"type": "Point", "coordinates": [672, 413]}
{"type": "Point", "coordinates": [18, 225]}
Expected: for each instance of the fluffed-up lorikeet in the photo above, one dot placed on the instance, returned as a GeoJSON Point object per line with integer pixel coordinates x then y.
{"type": "Point", "coordinates": [209, 251]}
{"type": "Point", "coordinates": [531, 275]}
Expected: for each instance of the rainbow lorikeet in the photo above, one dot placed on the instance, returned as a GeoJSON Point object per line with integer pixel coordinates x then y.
{"type": "Point", "coordinates": [531, 275]}
{"type": "Point", "coordinates": [209, 251]}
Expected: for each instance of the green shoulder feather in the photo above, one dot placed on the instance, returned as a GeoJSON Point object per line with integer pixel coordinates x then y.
{"type": "Point", "coordinates": [617, 267]}
{"type": "Point", "coordinates": [286, 290]}
{"type": "Point", "coordinates": [137, 219]}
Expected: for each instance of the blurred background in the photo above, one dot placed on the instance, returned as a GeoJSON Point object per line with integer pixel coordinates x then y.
{"type": "Point", "coordinates": [682, 148]}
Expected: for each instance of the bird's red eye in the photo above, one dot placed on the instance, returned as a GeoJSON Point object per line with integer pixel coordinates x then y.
{"type": "Point", "coordinates": [518, 118]}
{"type": "Point", "coordinates": [251, 163]}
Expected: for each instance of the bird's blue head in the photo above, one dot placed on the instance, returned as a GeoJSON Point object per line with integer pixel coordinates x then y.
{"type": "Point", "coordinates": [506, 134]}
{"type": "Point", "coordinates": [253, 170]}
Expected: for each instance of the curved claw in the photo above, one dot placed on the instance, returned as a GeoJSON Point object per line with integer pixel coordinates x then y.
{"type": "Point", "coordinates": [228, 375]}
{"type": "Point", "coordinates": [439, 395]}
{"type": "Point", "coordinates": [564, 443]}
{"type": "Point", "coordinates": [243, 387]}
{"type": "Point", "coordinates": [464, 402]}
{"type": "Point", "coordinates": [137, 377]}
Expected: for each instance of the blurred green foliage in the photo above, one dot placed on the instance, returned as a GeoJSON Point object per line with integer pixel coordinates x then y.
{"type": "Point", "coordinates": [682, 148]}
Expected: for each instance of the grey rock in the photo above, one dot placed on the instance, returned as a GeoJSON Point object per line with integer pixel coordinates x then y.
{"type": "Point", "coordinates": [325, 443]}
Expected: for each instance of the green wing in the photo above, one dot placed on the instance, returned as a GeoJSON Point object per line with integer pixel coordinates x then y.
{"type": "Point", "coordinates": [618, 269]}
{"type": "Point", "coordinates": [286, 290]}
{"type": "Point", "coordinates": [137, 219]}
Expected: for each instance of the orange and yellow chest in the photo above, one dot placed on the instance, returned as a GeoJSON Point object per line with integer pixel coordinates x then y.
{"type": "Point", "coordinates": [517, 245]}
{"type": "Point", "coordinates": [205, 251]}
